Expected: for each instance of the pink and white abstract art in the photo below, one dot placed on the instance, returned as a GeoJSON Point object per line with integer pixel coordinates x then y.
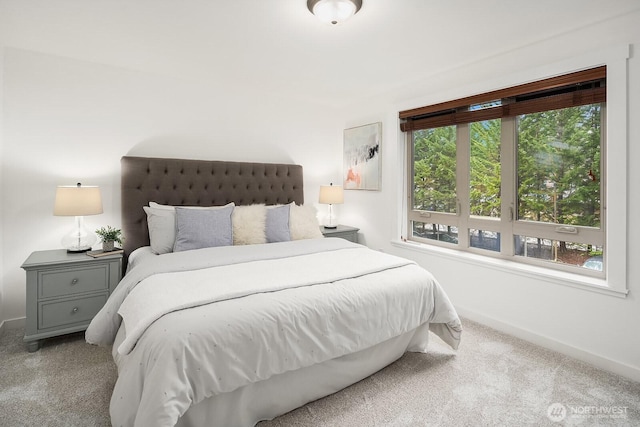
{"type": "Point", "coordinates": [362, 157]}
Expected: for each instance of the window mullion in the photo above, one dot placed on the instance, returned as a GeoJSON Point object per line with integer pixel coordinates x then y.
{"type": "Point", "coordinates": [463, 164]}
{"type": "Point", "coordinates": [508, 184]}
{"type": "Point", "coordinates": [410, 184]}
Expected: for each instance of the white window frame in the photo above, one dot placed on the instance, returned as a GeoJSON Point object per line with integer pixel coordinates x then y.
{"type": "Point", "coordinates": [615, 186]}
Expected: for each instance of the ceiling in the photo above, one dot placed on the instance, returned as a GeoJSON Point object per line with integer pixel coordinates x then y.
{"type": "Point", "coordinates": [277, 46]}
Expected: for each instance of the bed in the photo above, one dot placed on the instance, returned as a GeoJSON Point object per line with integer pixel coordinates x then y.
{"type": "Point", "coordinates": [258, 318]}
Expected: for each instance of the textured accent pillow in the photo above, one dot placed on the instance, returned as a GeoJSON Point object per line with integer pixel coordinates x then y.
{"type": "Point", "coordinates": [161, 221]}
{"type": "Point", "coordinates": [277, 224]}
{"type": "Point", "coordinates": [203, 228]}
{"type": "Point", "coordinates": [303, 223]}
{"type": "Point", "coordinates": [249, 224]}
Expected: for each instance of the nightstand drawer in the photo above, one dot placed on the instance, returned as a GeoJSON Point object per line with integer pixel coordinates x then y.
{"type": "Point", "coordinates": [61, 313]}
{"type": "Point", "coordinates": [59, 282]}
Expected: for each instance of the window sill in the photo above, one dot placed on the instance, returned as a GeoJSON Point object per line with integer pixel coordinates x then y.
{"type": "Point", "coordinates": [558, 277]}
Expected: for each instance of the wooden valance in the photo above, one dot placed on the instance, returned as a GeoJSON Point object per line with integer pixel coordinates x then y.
{"type": "Point", "coordinates": [569, 90]}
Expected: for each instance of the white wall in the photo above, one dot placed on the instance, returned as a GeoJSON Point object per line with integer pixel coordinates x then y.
{"type": "Point", "coordinates": [1, 168]}
{"type": "Point", "coordinates": [68, 121]}
{"type": "Point", "coordinates": [600, 329]}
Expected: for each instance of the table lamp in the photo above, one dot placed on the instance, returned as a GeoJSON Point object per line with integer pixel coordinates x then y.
{"type": "Point", "coordinates": [78, 201]}
{"type": "Point", "coordinates": [331, 195]}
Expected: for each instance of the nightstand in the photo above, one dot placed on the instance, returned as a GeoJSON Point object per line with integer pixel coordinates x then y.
{"type": "Point", "coordinates": [65, 290]}
{"type": "Point", "coordinates": [342, 231]}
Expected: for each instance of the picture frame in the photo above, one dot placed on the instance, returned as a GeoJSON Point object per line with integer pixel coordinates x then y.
{"type": "Point", "coordinates": [362, 160]}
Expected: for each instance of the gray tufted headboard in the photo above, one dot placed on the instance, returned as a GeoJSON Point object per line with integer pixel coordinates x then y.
{"type": "Point", "coordinates": [199, 183]}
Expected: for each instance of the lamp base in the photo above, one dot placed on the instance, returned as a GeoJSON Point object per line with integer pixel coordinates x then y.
{"type": "Point", "coordinates": [79, 239]}
{"type": "Point", "coordinates": [331, 227]}
{"type": "Point", "coordinates": [78, 250]}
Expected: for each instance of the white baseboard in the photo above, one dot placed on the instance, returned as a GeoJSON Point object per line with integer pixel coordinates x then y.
{"type": "Point", "coordinates": [627, 371]}
{"type": "Point", "coordinates": [12, 324]}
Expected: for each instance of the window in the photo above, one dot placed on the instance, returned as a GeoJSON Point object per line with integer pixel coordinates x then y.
{"type": "Point", "coordinates": [516, 173]}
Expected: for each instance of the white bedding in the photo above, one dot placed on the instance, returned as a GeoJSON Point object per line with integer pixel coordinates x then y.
{"type": "Point", "coordinates": [280, 307]}
{"type": "Point", "coordinates": [138, 256]}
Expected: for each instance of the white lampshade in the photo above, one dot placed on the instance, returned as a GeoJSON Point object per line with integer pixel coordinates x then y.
{"type": "Point", "coordinates": [331, 194]}
{"type": "Point", "coordinates": [78, 201]}
{"type": "Point", "coordinates": [334, 11]}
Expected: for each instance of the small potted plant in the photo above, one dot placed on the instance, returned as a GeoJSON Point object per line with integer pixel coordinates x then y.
{"type": "Point", "coordinates": [109, 236]}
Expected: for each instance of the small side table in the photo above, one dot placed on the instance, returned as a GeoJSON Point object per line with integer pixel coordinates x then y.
{"type": "Point", "coordinates": [65, 290]}
{"type": "Point", "coordinates": [343, 231]}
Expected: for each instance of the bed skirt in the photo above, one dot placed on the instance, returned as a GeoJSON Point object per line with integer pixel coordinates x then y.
{"type": "Point", "coordinates": [285, 392]}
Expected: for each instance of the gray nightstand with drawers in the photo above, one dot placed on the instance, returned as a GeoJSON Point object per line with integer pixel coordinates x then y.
{"type": "Point", "coordinates": [344, 231]}
{"type": "Point", "coordinates": [65, 290]}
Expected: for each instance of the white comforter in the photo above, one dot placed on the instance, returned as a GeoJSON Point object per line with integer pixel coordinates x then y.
{"type": "Point", "coordinates": [278, 307]}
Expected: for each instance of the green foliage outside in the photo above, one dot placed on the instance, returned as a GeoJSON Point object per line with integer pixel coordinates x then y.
{"type": "Point", "coordinates": [558, 167]}
{"type": "Point", "coordinates": [435, 169]}
{"type": "Point", "coordinates": [484, 186]}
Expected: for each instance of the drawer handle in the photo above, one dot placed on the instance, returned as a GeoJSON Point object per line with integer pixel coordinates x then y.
{"type": "Point", "coordinates": [74, 310]}
{"type": "Point", "coordinates": [74, 281]}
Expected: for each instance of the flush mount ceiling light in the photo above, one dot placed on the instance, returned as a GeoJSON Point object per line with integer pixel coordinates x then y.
{"type": "Point", "coordinates": [334, 11]}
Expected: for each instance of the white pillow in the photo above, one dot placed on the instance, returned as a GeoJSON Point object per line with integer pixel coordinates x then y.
{"type": "Point", "coordinates": [303, 222]}
{"type": "Point", "coordinates": [162, 229]}
{"type": "Point", "coordinates": [249, 224]}
{"type": "Point", "coordinates": [155, 205]}
{"type": "Point", "coordinates": [161, 221]}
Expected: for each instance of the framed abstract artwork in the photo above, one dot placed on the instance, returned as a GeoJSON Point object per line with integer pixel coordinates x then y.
{"type": "Point", "coordinates": [362, 161]}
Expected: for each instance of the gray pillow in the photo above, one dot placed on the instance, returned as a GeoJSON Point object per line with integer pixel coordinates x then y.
{"type": "Point", "coordinates": [277, 224]}
{"type": "Point", "coordinates": [203, 228]}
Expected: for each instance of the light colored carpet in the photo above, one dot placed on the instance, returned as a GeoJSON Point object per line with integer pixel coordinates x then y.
{"type": "Point", "coordinates": [492, 380]}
